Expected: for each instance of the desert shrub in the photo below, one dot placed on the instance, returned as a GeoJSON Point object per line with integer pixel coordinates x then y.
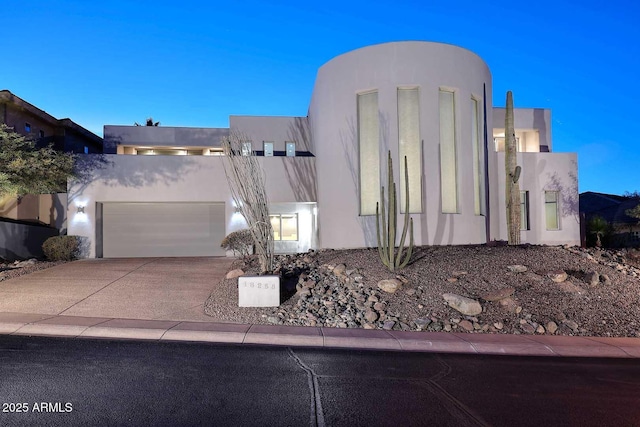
{"type": "Point", "coordinates": [61, 248]}
{"type": "Point", "coordinates": [240, 242]}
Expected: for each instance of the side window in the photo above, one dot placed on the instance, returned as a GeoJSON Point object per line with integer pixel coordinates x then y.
{"type": "Point", "coordinates": [27, 127]}
{"type": "Point", "coordinates": [524, 210]}
{"type": "Point", "coordinates": [551, 210]}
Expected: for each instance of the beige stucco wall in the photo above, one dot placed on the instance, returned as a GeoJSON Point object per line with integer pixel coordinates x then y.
{"type": "Point", "coordinates": [333, 123]}
{"type": "Point", "coordinates": [542, 172]}
{"type": "Point", "coordinates": [48, 209]}
{"type": "Point", "coordinates": [173, 179]}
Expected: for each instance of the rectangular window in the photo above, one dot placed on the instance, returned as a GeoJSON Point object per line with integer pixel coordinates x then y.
{"type": "Point", "coordinates": [290, 146]}
{"type": "Point", "coordinates": [369, 152]}
{"type": "Point", "coordinates": [410, 146]}
{"type": "Point", "coordinates": [478, 158]}
{"type": "Point", "coordinates": [551, 210]}
{"type": "Point", "coordinates": [268, 148]}
{"type": "Point", "coordinates": [448, 172]}
{"type": "Point", "coordinates": [246, 148]}
{"type": "Point", "coordinates": [86, 150]}
{"type": "Point", "coordinates": [41, 134]}
{"type": "Point", "coordinates": [27, 127]}
{"type": "Point", "coordinates": [285, 226]}
{"type": "Point", "coordinates": [524, 210]}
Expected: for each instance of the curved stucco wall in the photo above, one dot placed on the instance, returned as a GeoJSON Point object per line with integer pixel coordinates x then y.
{"type": "Point", "coordinates": [333, 123]}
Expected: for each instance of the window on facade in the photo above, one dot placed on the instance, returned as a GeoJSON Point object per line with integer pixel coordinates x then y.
{"type": "Point", "coordinates": [524, 210]}
{"type": "Point", "coordinates": [369, 152]}
{"type": "Point", "coordinates": [410, 146]}
{"type": "Point", "coordinates": [41, 134]}
{"type": "Point", "coordinates": [448, 172]}
{"type": "Point", "coordinates": [86, 150]}
{"type": "Point", "coordinates": [27, 127]}
{"type": "Point", "coordinates": [478, 158]}
{"type": "Point", "coordinates": [290, 147]}
{"type": "Point", "coordinates": [246, 148]}
{"type": "Point", "coordinates": [268, 148]}
{"type": "Point", "coordinates": [499, 143]}
{"type": "Point", "coordinates": [551, 210]}
{"type": "Point", "coordinates": [285, 226]}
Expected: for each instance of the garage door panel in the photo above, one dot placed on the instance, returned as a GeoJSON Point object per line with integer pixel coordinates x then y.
{"type": "Point", "coordinates": [163, 229]}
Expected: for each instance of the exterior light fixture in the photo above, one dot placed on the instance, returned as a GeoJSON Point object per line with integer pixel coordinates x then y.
{"type": "Point", "coordinates": [80, 209]}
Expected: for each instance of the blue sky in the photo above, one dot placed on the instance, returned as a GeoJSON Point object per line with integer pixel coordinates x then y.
{"type": "Point", "coordinates": [193, 63]}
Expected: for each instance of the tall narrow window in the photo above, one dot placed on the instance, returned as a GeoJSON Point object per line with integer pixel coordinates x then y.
{"type": "Point", "coordinates": [268, 148]}
{"type": "Point", "coordinates": [448, 172]}
{"type": "Point", "coordinates": [410, 146]}
{"type": "Point", "coordinates": [524, 210]}
{"type": "Point", "coordinates": [478, 158]}
{"type": "Point", "coordinates": [368, 143]}
{"type": "Point", "coordinates": [551, 210]}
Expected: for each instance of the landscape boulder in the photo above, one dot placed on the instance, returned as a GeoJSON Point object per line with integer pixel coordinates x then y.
{"type": "Point", "coordinates": [234, 273]}
{"type": "Point", "coordinates": [390, 285]}
{"type": "Point", "coordinates": [464, 305]}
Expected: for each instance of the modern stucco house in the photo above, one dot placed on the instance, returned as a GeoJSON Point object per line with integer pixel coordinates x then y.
{"type": "Point", "coordinates": [163, 190]}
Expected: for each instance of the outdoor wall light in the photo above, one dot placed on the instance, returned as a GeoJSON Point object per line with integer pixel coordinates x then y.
{"type": "Point", "coordinates": [237, 210]}
{"type": "Point", "coordinates": [80, 209]}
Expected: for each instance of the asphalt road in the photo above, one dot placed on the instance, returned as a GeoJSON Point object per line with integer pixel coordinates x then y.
{"type": "Point", "coordinates": [55, 381]}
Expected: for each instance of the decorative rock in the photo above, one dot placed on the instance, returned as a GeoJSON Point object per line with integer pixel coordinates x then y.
{"type": "Point", "coordinates": [517, 268]}
{"type": "Point", "coordinates": [571, 324]}
{"type": "Point", "coordinates": [459, 273]}
{"type": "Point", "coordinates": [411, 292]}
{"type": "Point", "coordinates": [233, 274]}
{"type": "Point", "coordinates": [464, 305]}
{"type": "Point", "coordinates": [422, 323]}
{"type": "Point", "coordinates": [528, 328]}
{"type": "Point", "coordinates": [447, 328]}
{"type": "Point", "coordinates": [274, 320]}
{"type": "Point", "coordinates": [390, 285]}
{"type": "Point", "coordinates": [540, 329]}
{"type": "Point", "coordinates": [518, 309]}
{"type": "Point", "coordinates": [605, 279]}
{"type": "Point", "coordinates": [498, 295]}
{"type": "Point", "coordinates": [466, 325]}
{"type": "Point", "coordinates": [339, 270]}
{"type": "Point", "coordinates": [371, 316]}
{"type": "Point", "coordinates": [379, 306]}
{"type": "Point", "coordinates": [557, 276]}
{"type": "Point", "coordinates": [402, 279]}
{"type": "Point", "coordinates": [592, 279]}
{"type": "Point", "coordinates": [388, 325]}
{"type": "Point", "coordinates": [498, 325]}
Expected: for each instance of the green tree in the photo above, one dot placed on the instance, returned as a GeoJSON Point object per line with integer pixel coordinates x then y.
{"type": "Point", "coordinates": [26, 169]}
{"type": "Point", "coordinates": [599, 227]}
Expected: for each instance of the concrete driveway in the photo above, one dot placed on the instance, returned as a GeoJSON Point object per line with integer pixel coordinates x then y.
{"type": "Point", "coordinates": [133, 288]}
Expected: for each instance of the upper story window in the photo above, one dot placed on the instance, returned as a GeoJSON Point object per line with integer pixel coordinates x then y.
{"type": "Point", "coordinates": [246, 148]}
{"type": "Point", "coordinates": [290, 146]}
{"type": "Point", "coordinates": [268, 148]}
{"type": "Point", "coordinates": [86, 150]}
{"type": "Point", "coordinates": [27, 127]}
{"type": "Point", "coordinates": [41, 134]}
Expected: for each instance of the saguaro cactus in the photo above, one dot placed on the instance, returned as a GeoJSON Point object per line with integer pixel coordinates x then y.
{"type": "Point", "coordinates": [386, 243]}
{"type": "Point", "coordinates": [512, 175]}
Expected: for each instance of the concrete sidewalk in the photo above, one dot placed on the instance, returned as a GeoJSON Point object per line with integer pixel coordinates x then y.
{"type": "Point", "coordinates": [162, 299]}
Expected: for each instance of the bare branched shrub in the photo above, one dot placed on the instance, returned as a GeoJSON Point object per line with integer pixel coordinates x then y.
{"type": "Point", "coordinates": [247, 182]}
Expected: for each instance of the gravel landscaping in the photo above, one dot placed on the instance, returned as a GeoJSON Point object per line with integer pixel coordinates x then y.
{"type": "Point", "coordinates": [476, 289]}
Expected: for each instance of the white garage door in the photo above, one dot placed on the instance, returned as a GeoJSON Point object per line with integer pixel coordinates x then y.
{"type": "Point", "coordinates": [162, 229]}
